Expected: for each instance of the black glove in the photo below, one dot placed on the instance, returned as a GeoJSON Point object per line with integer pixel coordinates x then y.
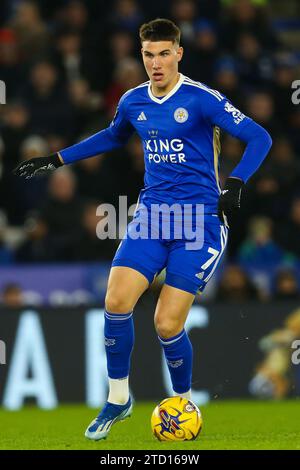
{"type": "Point", "coordinates": [38, 166]}
{"type": "Point", "coordinates": [230, 200]}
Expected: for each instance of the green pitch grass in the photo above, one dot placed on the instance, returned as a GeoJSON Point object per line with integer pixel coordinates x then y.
{"type": "Point", "coordinates": [227, 425]}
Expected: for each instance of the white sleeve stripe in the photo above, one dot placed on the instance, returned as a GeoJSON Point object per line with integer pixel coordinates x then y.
{"type": "Point", "coordinates": [202, 85]}
{"type": "Point", "coordinates": [141, 85]}
{"type": "Point", "coordinates": [215, 93]}
{"type": "Point", "coordinates": [208, 90]}
{"type": "Point", "coordinates": [131, 89]}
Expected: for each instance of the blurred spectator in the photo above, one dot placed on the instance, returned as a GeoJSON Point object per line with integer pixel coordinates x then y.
{"type": "Point", "coordinates": [99, 178]}
{"type": "Point", "coordinates": [245, 17]}
{"type": "Point", "coordinates": [30, 30]}
{"type": "Point", "coordinates": [226, 80]}
{"type": "Point", "coordinates": [121, 45]}
{"type": "Point", "coordinates": [36, 248]}
{"type": "Point", "coordinates": [81, 43]}
{"type": "Point", "coordinates": [62, 213]}
{"type": "Point", "coordinates": [184, 14]}
{"type": "Point", "coordinates": [201, 55]}
{"type": "Point", "coordinates": [128, 74]}
{"type": "Point", "coordinates": [76, 59]}
{"type": "Point", "coordinates": [285, 167]}
{"type": "Point", "coordinates": [127, 15]}
{"type": "Point", "coordinates": [288, 232]}
{"type": "Point", "coordinates": [231, 153]}
{"type": "Point", "coordinates": [75, 16]}
{"type": "Point", "coordinates": [47, 102]}
{"type": "Point", "coordinates": [33, 146]}
{"type": "Point", "coordinates": [106, 177]}
{"type": "Point", "coordinates": [259, 249]}
{"type": "Point", "coordinates": [28, 196]}
{"type": "Point", "coordinates": [88, 247]}
{"type": "Point", "coordinates": [255, 66]}
{"type": "Point", "coordinates": [211, 9]}
{"type": "Point", "coordinates": [274, 375]}
{"type": "Point", "coordinates": [285, 74]}
{"type": "Point", "coordinates": [286, 285]}
{"type": "Point", "coordinates": [69, 45]}
{"type": "Point", "coordinates": [261, 108]}
{"type": "Point", "coordinates": [6, 254]}
{"type": "Point", "coordinates": [236, 286]}
{"type": "Point", "coordinates": [11, 63]}
{"type": "Point", "coordinates": [264, 197]}
{"type": "Point", "coordinates": [86, 106]}
{"type": "Point", "coordinates": [55, 142]}
{"type": "Point", "coordinates": [15, 129]}
{"type": "Point", "coordinates": [12, 296]}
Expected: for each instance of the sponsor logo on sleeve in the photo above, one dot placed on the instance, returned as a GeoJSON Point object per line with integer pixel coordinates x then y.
{"type": "Point", "coordinates": [237, 115]}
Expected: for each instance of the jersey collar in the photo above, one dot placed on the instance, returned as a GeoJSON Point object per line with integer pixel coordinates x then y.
{"type": "Point", "coordinates": [171, 93]}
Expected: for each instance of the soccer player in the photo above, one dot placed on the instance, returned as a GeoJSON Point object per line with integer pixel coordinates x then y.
{"type": "Point", "coordinates": [178, 121]}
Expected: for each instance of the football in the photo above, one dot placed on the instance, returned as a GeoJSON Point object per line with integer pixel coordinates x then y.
{"type": "Point", "coordinates": [176, 419]}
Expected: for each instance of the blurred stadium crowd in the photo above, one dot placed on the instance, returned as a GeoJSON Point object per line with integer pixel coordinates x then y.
{"type": "Point", "coordinates": [66, 64]}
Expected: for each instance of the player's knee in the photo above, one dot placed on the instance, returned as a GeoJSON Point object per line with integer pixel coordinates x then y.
{"type": "Point", "coordinates": [167, 328]}
{"type": "Point", "coordinates": [116, 303]}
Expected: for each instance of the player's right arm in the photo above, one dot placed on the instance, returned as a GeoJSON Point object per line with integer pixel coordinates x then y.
{"type": "Point", "coordinates": [114, 136]}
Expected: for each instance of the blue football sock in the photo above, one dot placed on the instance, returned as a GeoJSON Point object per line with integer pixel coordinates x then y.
{"type": "Point", "coordinates": [179, 356]}
{"type": "Point", "coordinates": [119, 339]}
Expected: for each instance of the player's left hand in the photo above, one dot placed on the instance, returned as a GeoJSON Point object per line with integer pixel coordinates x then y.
{"type": "Point", "coordinates": [230, 200]}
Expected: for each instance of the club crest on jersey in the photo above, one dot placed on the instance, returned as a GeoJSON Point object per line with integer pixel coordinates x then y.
{"type": "Point", "coordinates": [181, 115]}
{"type": "Point", "coordinates": [236, 114]}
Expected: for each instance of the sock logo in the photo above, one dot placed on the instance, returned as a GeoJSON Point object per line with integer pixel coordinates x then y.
{"type": "Point", "coordinates": [175, 364]}
{"type": "Point", "coordinates": [109, 341]}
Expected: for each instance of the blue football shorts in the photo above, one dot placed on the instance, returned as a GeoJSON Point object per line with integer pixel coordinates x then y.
{"type": "Point", "coordinates": [189, 266]}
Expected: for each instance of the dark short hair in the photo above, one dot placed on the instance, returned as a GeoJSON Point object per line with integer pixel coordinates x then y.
{"type": "Point", "coordinates": [160, 30]}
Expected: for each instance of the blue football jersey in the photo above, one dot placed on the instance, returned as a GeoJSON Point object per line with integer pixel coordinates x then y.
{"type": "Point", "coordinates": [181, 138]}
{"type": "Point", "coordinates": [180, 133]}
